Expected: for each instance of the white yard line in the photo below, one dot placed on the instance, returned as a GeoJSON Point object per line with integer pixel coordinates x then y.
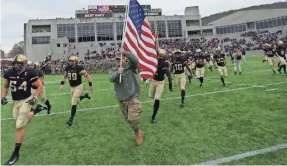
{"type": "Point", "coordinates": [150, 101]}
{"type": "Point", "coordinates": [244, 155]}
{"type": "Point", "coordinates": [268, 90]}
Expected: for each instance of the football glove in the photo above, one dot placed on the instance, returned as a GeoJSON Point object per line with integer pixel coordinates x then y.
{"type": "Point", "coordinates": [32, 101]}
{"type": "Point", "coordinates": [4, 101]}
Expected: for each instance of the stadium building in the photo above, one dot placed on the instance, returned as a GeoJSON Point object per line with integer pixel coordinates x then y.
{"type": "Point", "coordinates": [100, 28]}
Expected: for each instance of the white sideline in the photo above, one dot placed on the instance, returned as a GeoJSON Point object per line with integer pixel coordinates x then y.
{"type": "Point", "coordinates": [244, 155]}
{"type": "Point", "coordinates": [150, 101]}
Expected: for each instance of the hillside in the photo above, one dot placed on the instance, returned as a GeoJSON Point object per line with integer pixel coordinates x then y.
{"type": "Point", "coordinates": [214, 17]}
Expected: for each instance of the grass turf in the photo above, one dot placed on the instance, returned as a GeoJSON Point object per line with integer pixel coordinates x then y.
{"type": "Point", "coordinates": [216, 122]}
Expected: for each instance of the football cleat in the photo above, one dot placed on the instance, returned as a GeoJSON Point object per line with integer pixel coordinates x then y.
{"type": "Point", "coordinates": [70, 122]}
{"type": "Point", "coordinates": [49, 109]}
{"type": "Point", "coordinates": [153, 121]}
{"type": "Point", "coordinates": [181, 105]}
{"type": "Point", "coordinates": [87, 96]}
{"type": "Point", "coordinates": [201, 85]}
{"type": "Point", "coordinates": [14, 158]}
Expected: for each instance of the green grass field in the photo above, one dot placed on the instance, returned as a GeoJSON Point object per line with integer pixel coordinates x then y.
{"type": "Point", "coordinates": [249, 114]}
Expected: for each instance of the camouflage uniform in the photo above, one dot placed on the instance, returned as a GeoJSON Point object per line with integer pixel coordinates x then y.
{"type": "Point", "coordinates": [127, 92]}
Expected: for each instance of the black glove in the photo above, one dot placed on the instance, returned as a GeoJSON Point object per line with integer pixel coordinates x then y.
{"type": "Point", "coordinates": [32, 101]}
{"type": "Point", "coordinates": [4, 101]}
{"type": "Point", "coordinates": [170, 87]}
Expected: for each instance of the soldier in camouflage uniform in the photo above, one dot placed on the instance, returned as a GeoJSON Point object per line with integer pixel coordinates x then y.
{"type": "Point", "coordinates": [127, 90]}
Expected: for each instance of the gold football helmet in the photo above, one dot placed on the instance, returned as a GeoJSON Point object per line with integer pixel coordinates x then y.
{"type": "Point", "coordinates": [36, 65]}
{"type": "Point", "coordinates": [73, 61]}
{"type": "Point", "coordinates": [19, 62]}
{"type": "Point", "coordinates": [162, 52]}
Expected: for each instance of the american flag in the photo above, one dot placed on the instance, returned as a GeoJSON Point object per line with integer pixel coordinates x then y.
{"type": "Point", "coordinates": [103, 8]}
{"type": "Point", "coordinates": [139, 40]}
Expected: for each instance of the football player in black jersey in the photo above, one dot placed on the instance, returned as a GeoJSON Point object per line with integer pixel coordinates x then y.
{"type": "Point", "coordinates": [157, 84]}
{"type": "Point", "coordinates": [209, 60]}
{"type": "Point", "coordinates": [43, 96]}
{"type": "Point", "coordinates": [271, 56]}
{"type": "Point", "coordinates": [178, 68]}
{"type": "Point", "coordinates": [20, 80]}
{"type": "Point", "coordinates": [281, 52]}
{"type": "Point", "coordinates": [220, 61]}
{"type": "Point", "coordinates": [200, 62]}
{"type": "Point", "coordinates": [74, 73]}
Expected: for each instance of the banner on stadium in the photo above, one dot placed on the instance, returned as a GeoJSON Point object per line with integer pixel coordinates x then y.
{"type": "Point", "coordinates": [156, 10]}
{"type": "Point", "coordinates": [113, 8]}
{"type": "Point", "coordinates": [94, 15]}
{"type": "Point", "coordinates": [153, 13]}
{"type": "Point", "coordinates": [81, 11]}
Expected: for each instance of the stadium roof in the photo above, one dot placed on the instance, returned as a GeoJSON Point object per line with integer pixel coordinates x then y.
{"type": "Point", "coordinates": [249, 16]}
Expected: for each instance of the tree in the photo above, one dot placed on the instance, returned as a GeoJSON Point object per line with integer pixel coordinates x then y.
{"type": "Point", "coordinates": [2, 53]}
{"type": "Point", "coordinates": [18, 48]}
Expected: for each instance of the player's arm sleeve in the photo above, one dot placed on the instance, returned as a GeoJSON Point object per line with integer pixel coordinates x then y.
{"type": "Point", "coordinates": [133, 60]}
{"type": "Point", "coordinates": [114, 76]}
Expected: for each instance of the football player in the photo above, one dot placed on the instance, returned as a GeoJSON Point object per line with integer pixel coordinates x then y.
{"type": "Point", "coordinates": [157, 84]}
{"type": "Point", "coordinates": [271, 57]}
{"type": "Point", "coordinates": [178, 68]}
{"type": "Point", "coordinates": [189, 63]}
{"type": "Point", "coordinates": [20, 80]}
{"type": "Point", "coordinates": [74, 73]}
{"type": "Point", "coordinates": [265, 46]}
{"type": "Point", "coordinates": [281, 52]}
{"type": "Point", "coordinates": [42, 96]}
{"type": "Point", "coordinates": [220, 61]}
{"type": "Point", "coordinates": [208, 60]}
{"type": "Point", "coordinates": [200, 62]}
{"type": "Point", "coordinates": [237, 55]}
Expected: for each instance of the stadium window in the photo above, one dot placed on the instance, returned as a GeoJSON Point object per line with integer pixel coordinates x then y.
{"type": "Point", "coordinates": [258, 25]}
{"type": "Point", "coordinates": [283, 19]}
{"type": "Point", "coordinates": [240, 28]}
{"type": "Point", "coordinates": [217, 31]}
{"type": "Point", "coordinates": [67, 30]}
{"type": "Point", "coordinates": [119, 28]}
{"type": "Point", "coordinates": [261, 24]}
{"type": "Point", "coordinates": [220, 30]}
{"type": "Point", "coordinates": [266, 24]}
{"type": "Point", "coordinates": [279, 22]}
{"type": "Point", "coordinates": [58, 45]}
{"type": "Point", "coordinates": [224, 30]}
{"type": "Point", "coordinates": [105, 31]}
{"type": "Point", "coordinates": [41, 40]}
{"type": "Point", "coordinates": [174, 28]}
{"type": "Point", "coordinates": [274, 22]}
{"type": "Point", "coordinates": [270, 23]}
{"type": "Point", "coordinates": [86, 32]}
{"type": "Point", "coordinates": [232, 29]}
{"type": "Point", "coordinates": [161, 29]}
{"type": "Point", "coordinates": [244, 27]}
{"type": "Point", "coordinates": [228, 29]}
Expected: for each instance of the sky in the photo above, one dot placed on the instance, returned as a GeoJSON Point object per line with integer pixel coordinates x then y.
{"type": "Point", "coordinates": [14, 13]}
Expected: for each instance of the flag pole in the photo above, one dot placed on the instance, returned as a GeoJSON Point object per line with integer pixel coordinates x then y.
{"type": "Point", "coordinates": [156, 35]}
{"type": "Point", "coordinates": [124, 29]}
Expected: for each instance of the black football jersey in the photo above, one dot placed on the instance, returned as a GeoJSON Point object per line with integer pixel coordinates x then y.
{"type": "Point", "coordinates": [39, 74]}
{"type": "Point", "coordinates": [160, 72]}
{"type": "Point", "coordinates": [281, 51]}
{"type": "Point", "coordinates": [220, 59]}
{"type": "Point", "coordinates": [270, 52]}
{"type": "Point", "coordinates": [199, 61]}
{"type": "Point", "coordinates": [208, 57]}
{"type": "Point", "coordinates": [238, 56]}
{"type": "Point", "coordinates": [178, 65]}
{"type": "Point", "coordinates": [21, 84]}
{"type": "Point", "coordinates": [74, 76]}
